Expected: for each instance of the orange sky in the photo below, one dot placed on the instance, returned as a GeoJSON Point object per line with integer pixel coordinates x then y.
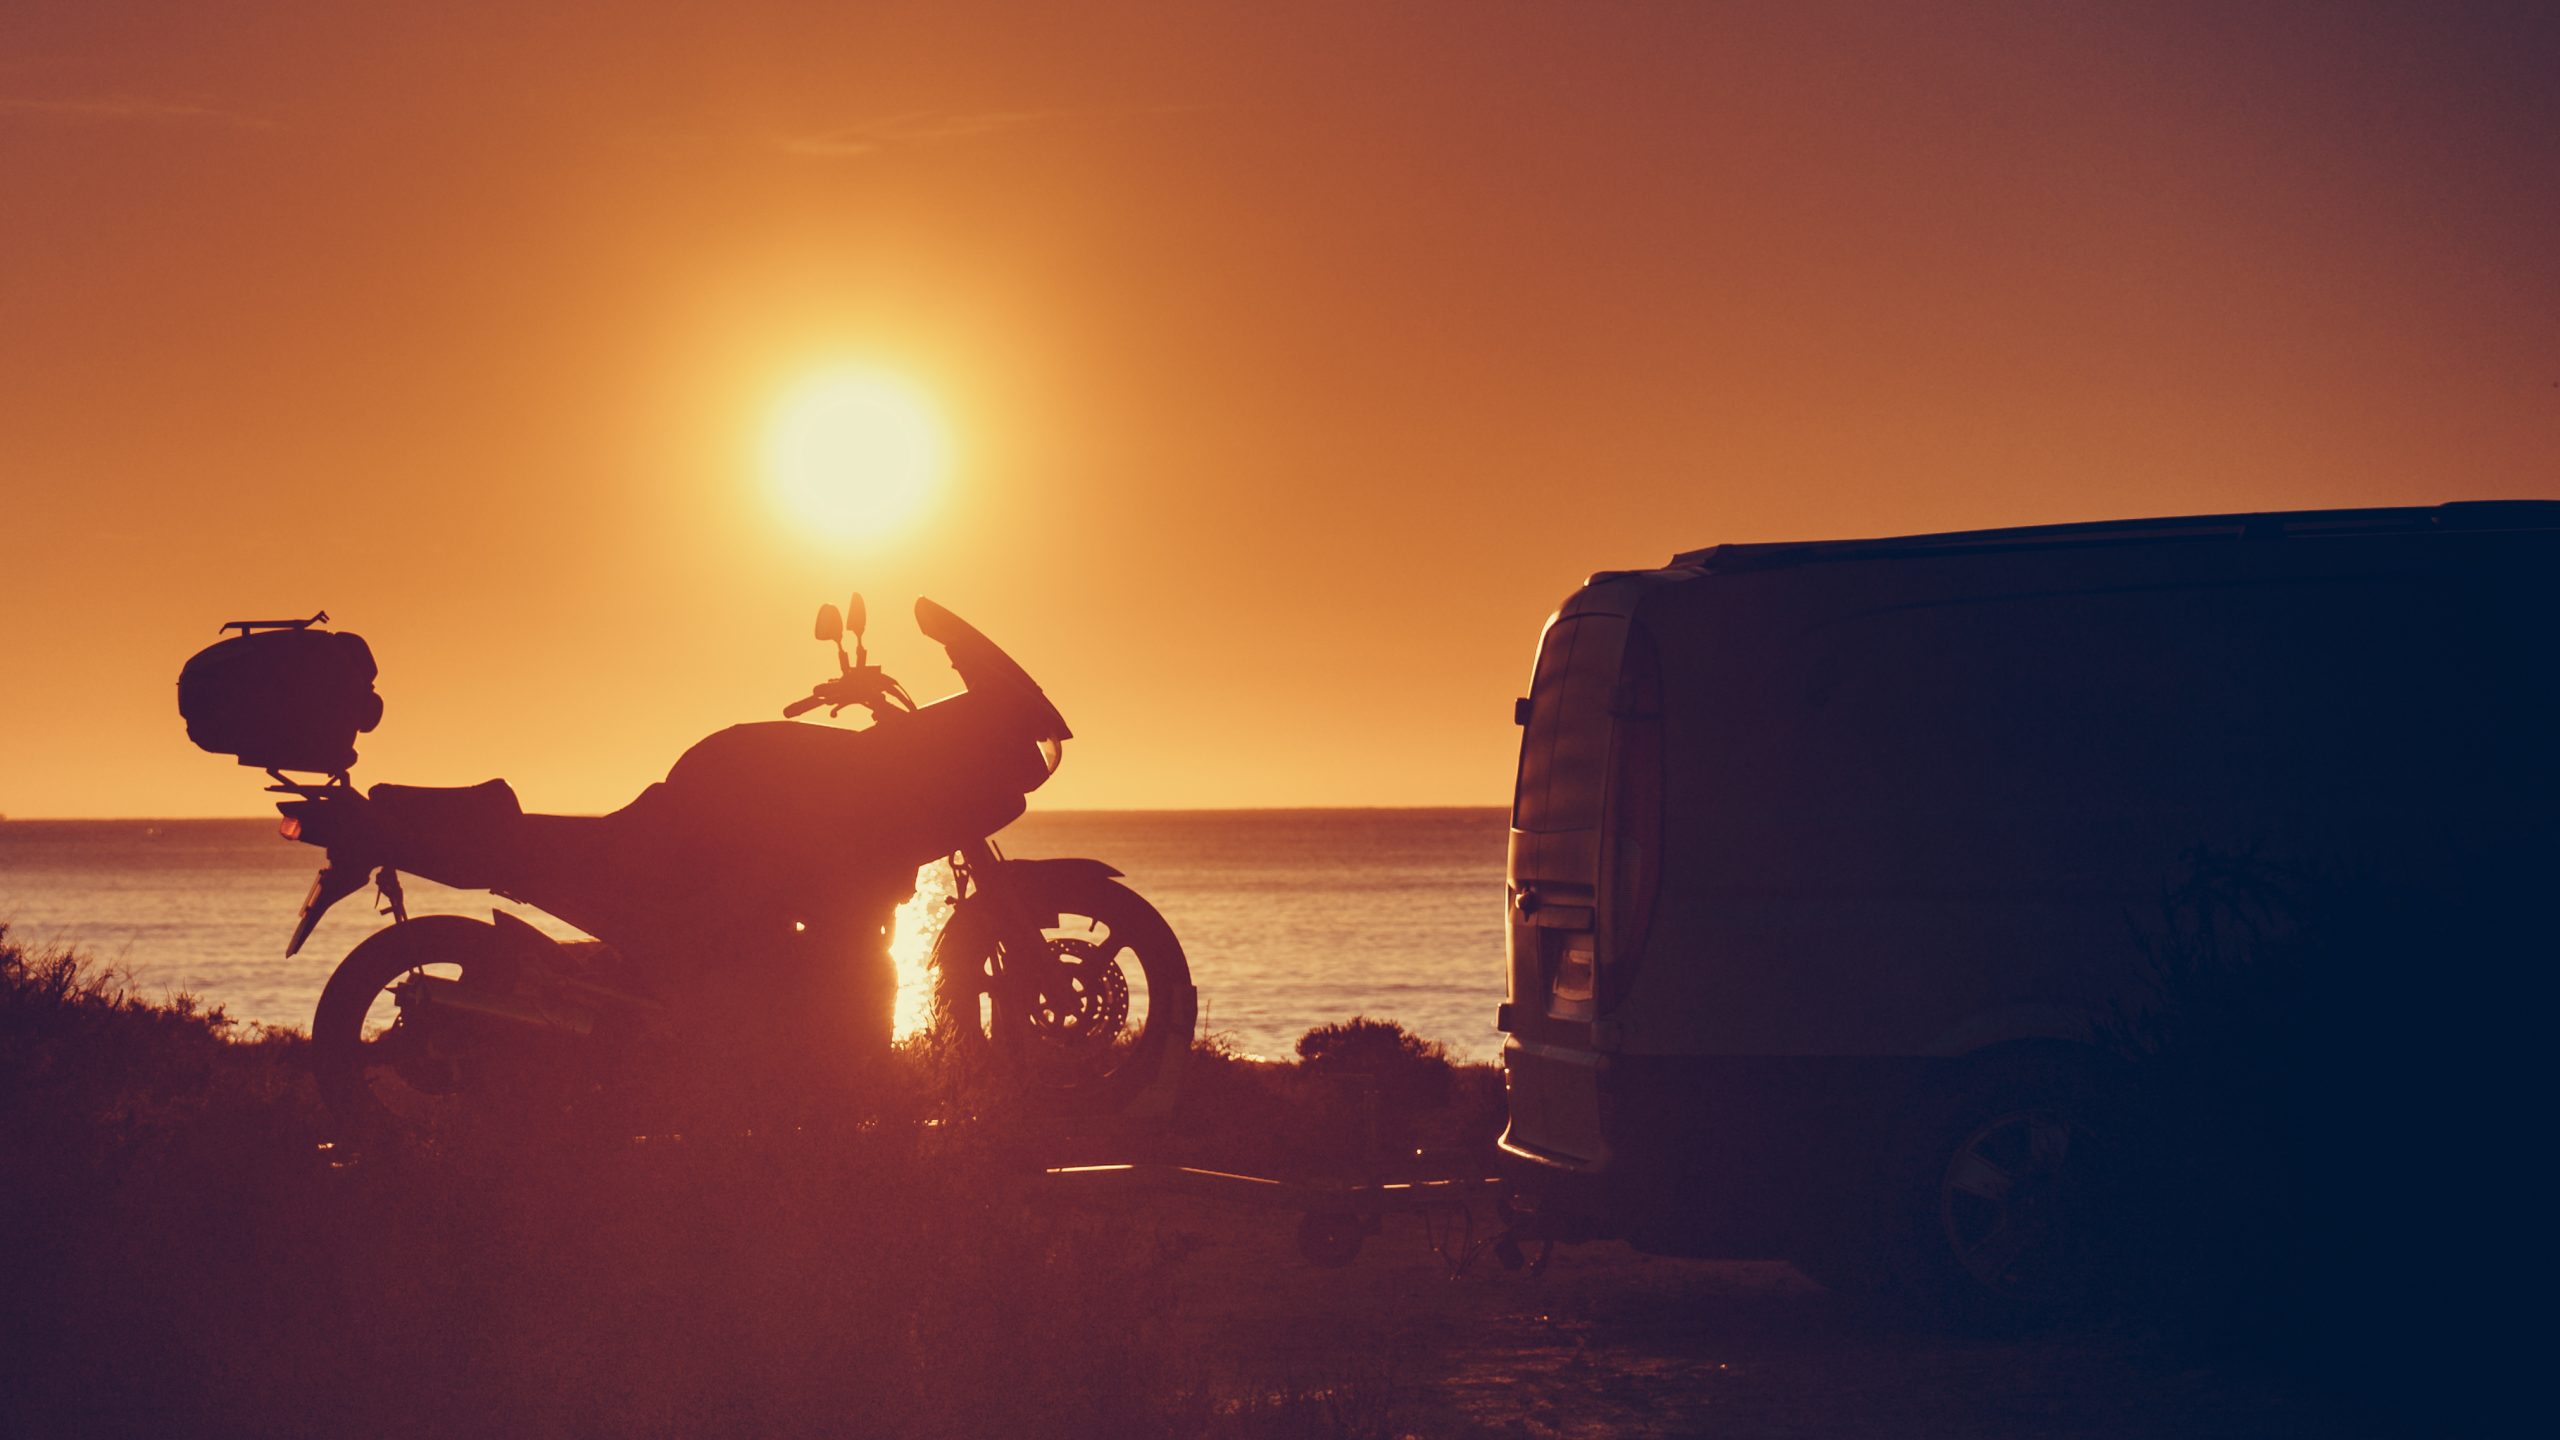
{"type": "Point", "coordinates": [1297, 359]}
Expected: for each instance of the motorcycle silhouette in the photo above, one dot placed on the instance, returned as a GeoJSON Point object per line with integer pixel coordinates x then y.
{"type": "Point", "coordinates": [744, 904]}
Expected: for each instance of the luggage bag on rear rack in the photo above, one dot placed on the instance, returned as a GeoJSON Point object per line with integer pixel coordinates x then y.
{"type": "Point", "coordinates": [282, 695]}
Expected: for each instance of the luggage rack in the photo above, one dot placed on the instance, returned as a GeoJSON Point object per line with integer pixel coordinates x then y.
{"type": "Point", "coordinates": [251, 627]}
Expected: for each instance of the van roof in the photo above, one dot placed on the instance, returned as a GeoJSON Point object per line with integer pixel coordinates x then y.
{"type": "Point", "coordinates": [2466, 515]}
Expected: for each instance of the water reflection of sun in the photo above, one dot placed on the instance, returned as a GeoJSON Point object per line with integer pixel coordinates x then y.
{"type": "Point", "coordinates": [911, 947]}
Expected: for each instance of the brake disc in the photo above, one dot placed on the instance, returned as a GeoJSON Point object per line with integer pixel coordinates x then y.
{"type": "Point", "coordinates": [1096, 1004]}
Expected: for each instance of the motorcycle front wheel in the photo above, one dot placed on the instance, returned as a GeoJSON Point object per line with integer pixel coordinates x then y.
{"type": "Point", "coordinates": [1107, 1030]}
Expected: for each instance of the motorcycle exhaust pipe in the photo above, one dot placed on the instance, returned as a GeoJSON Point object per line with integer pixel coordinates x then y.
{"type": "Point", "coordinates": [436, 991]}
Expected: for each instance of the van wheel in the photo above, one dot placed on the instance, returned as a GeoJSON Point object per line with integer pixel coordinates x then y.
{"type": "Point", "coordinates": [2006, 1197]}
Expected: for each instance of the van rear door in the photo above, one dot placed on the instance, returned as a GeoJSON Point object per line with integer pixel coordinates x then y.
{"type": "Point", "coordinates": [1556, 819]}
{"type": "Point", "coordinates": [1579, 718]}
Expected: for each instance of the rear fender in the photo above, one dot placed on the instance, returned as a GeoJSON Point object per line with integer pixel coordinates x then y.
{"type": "Point", "coordinates": [337, 880]}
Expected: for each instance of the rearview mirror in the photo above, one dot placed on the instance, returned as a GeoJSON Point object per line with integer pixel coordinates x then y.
{"type": "Point", "coordinates": [853, 617]}
{"type": "Point", "coordinates": [830, 627]}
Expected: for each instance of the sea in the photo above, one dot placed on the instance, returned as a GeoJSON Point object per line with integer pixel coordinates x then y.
{"type": "Point", "coordinates": [1290, 918]}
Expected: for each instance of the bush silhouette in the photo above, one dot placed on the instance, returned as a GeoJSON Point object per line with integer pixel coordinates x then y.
{"type": "Point", "coordinates": [1410, 1073]}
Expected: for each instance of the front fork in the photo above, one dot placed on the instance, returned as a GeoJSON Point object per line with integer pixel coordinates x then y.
{"type": "Point", "coordinates": [999, 893]}
{"type": "Point", "coordinates": [1022, 965]}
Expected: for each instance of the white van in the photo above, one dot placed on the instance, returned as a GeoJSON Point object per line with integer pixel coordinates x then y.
{"type": "Point", "coordinates": [1824, 855]}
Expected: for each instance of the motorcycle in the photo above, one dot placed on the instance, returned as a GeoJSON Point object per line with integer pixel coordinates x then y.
{"type": "Point", "coordinates": [745, 903]}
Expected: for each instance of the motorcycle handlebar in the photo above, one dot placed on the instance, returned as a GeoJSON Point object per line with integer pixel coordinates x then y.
{"type": "Point", "coordinates": [868, 687]}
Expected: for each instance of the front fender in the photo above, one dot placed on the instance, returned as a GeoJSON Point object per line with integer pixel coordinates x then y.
{"type": "Point", "coordinates": [999, 902]}
{"type": "Point", "coordinates": [1066, 869]}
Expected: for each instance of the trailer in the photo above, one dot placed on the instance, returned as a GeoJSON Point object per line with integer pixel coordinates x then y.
{"type": "Point", "coordinates": [1446, 1192]}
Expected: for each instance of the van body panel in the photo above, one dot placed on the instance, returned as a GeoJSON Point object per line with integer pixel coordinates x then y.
{"type": "Point", "coordinates": [1930, 792]}
{"type": "Point", "coordinates": [1917, 794]}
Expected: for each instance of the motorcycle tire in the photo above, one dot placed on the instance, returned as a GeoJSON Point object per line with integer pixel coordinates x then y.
{"type": "Point", "coordinates": [1087, 1050]}
{"type": "Point", "coordinates": [350, 1047]}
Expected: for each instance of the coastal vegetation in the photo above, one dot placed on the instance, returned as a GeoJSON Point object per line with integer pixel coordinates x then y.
{"type": "Point", "coordinates": [179, 1254]}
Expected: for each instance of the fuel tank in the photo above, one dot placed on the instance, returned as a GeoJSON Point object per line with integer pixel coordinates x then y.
{"type": "Point", "coordinates": [904, 791]}
{"type": "Point", "coordinates": [756, 827]}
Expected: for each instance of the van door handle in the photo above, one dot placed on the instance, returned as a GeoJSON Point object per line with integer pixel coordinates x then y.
{"type": "Point", "coordinates": [1526, 904]}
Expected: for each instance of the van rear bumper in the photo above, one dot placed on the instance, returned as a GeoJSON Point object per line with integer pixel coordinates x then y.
{"type": "Point", "coordinates": [1553, 1094]}
{"type": "Point", "coordinates": [1733, 1156]}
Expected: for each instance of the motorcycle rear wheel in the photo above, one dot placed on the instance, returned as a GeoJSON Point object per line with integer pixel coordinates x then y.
{"type": "Point", "coordinates": [1114, 1037]}
{"type": "Point", "coordinates": [376, 1071]}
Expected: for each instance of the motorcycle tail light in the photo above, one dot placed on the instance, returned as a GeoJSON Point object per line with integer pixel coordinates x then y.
{"type": "Point", "coordinates": [289, 828]}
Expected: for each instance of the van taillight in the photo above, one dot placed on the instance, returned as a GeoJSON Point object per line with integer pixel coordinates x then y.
{"type": "Point", "coordinates": [1573, 973]}
{"type": "Point", "coordinates": [1632, 849]}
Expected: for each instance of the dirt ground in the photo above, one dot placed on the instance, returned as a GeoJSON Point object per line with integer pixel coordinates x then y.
{"type": "Point", "coordinates": [1608, 1342]}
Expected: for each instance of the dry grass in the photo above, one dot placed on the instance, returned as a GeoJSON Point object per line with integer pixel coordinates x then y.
{"type": "Point", "coordinates": [178, 1257]}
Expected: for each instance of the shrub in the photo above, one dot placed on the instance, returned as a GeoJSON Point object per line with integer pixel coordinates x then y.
{"type": "Point", "coordinates": [1408, 1072]}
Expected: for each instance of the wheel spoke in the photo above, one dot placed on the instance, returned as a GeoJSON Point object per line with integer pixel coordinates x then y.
{"type": "Point", "coordinates": [1975, 1174]}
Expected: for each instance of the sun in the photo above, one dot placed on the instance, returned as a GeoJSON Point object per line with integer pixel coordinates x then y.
{"type": "Point", "coordinates": [853, 456]}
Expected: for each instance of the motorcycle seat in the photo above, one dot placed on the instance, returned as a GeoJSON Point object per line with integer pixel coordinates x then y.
{"type": "Point", "coordinates": [447, 808]}
{"type": "Point", "coordinates": [555, 842]}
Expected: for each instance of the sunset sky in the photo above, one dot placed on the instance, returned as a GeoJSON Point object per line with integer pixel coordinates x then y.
{"type": "Point", "coordinates": [1292, 361]}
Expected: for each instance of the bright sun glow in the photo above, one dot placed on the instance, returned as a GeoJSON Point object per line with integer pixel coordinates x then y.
{"type": "Point", "coordinates": [854, 455]}
{"type": "Point", "coordinates": [919, 925]}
